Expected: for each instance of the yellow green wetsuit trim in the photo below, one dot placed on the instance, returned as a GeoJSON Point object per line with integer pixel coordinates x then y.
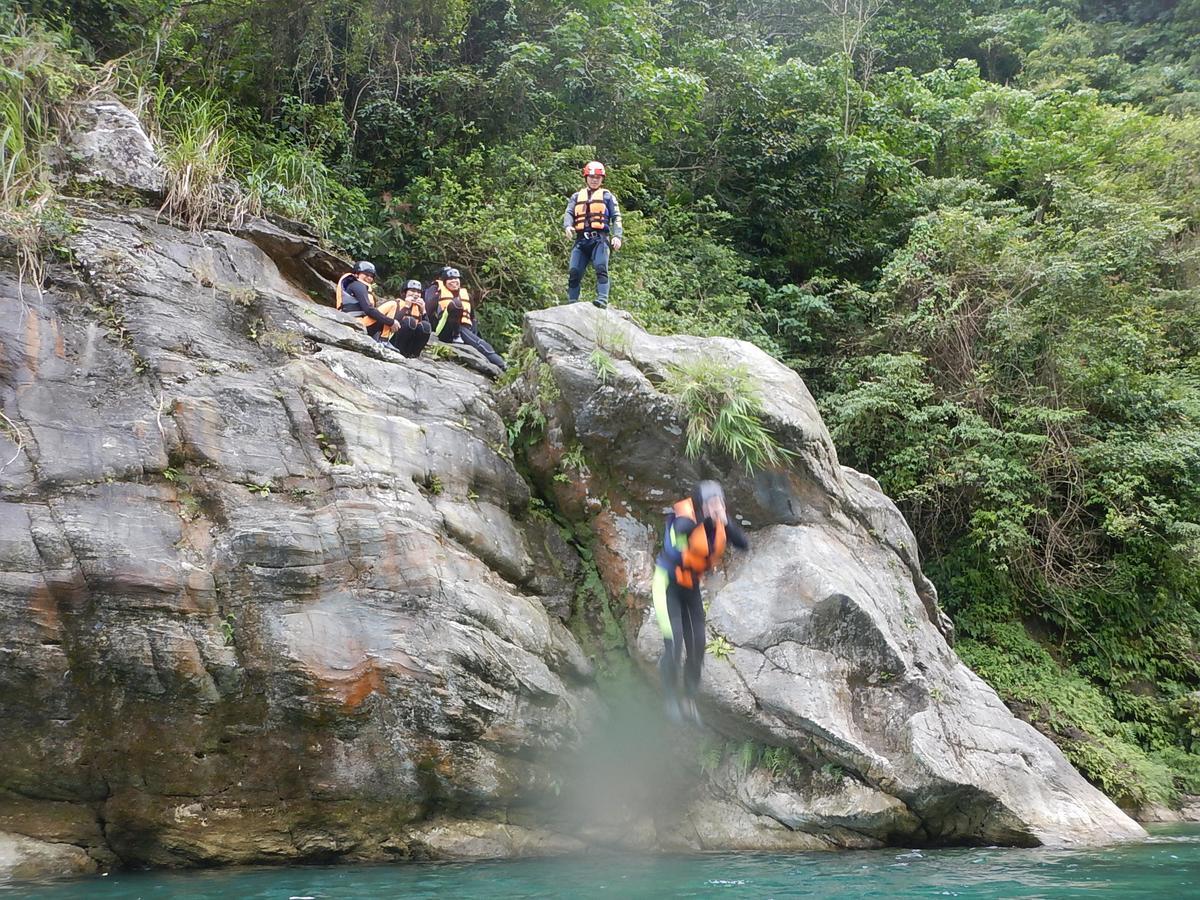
{"type": "Point", "coordinates": [658, 590]}
{"type": "Point", "coordinates": [662, 578]}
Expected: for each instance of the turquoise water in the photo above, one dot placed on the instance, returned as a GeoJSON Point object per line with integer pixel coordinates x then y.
{"type": "Point", "coordinates": [1166, 866]}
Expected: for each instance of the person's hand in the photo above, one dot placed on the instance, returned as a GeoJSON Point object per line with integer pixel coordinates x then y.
{"type": "Point", "coordinates": [570, 233]}
{"type": "Point", "coordinates": [616, 243]}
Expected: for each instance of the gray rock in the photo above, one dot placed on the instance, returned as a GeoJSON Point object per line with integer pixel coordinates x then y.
{"type": "Point", "coordinates": [108, 145]}
{"type": "Point", "coordinates": [26, 859]}
{"type": "Point", "coordinates": [839, 651]}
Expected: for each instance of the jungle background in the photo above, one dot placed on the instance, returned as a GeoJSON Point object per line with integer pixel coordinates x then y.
{"type": "Point", "coordinates": [972, 226]}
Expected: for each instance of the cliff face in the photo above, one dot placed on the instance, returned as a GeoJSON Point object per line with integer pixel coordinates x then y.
{"type": "Point", "coordinates": [834, 648]}
{"type": "Point", "coordinates": [268, 592]}
{"type": "Point", "coordinates": [265, 593]}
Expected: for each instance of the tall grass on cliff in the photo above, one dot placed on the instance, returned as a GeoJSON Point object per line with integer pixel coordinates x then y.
{"type": "Point", "coordinates": [197, 143]}
{"type": "Point", "coordinates": [221, 168]}
{"type": "Point", "coordinates": [39, 78]}
{"type": "Point", "coordinates": [724, 409]}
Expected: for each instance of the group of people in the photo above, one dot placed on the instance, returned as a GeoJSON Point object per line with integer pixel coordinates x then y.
{"type": "Point", "coordinates": [444, 308]}
{"type": "Point", "coordinates": [698, 527]}
{"type": "Point", "coordinates": [592, 220]}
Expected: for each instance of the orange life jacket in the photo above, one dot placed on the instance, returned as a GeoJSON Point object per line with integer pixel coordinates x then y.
{"type": "Point", "coordinates": [445, 298]}
{"type": "Point", "coordinates": [591, 212]}
{"type": "Point", "coordinates": [337, 297]}
{"type": "Point", "coordinates": [699, 556]}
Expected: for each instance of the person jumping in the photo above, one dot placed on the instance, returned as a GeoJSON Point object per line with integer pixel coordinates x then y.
{"type": "Point", "coordinates": [697, 529]}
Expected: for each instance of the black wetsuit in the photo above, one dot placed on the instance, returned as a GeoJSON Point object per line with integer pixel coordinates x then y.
{"type": "Point", "coordinates": [452, 327]}
{"type": "Point", "coordinates": [413, 332]}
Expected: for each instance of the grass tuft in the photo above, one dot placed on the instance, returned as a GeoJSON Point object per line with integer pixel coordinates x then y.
{"type": "Point", "coordinates": [197, 145]}
{"type": "Point", "coordinates": [724, 411]}
{"type": "Point", "coordinates": [40, 77]}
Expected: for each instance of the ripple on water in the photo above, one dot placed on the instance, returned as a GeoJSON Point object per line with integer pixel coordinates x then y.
{"type": "Point", "coordinates": [1165, 865]}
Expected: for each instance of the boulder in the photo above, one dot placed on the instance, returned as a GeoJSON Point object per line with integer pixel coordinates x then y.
{"type": "Point", "coordinates": [267, 590]}
{"type": "Point", "coordinates": [835, 648]}
{"type": "Point", "coordinates": [107, 146]}
{"type": "Point", "coordinates": [24, 858]}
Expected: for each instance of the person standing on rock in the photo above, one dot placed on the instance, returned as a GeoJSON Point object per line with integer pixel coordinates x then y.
{"type": "Point", "coordinates": [355, 294]}
{"type": "Point", "coordinates": [453, 315]}
{"type": "Point", "coordinates": [592, 220]}
{"type": "Point", "coordinates": [697, 530]}
{"type": "Point", "coordinates": [413, 334]}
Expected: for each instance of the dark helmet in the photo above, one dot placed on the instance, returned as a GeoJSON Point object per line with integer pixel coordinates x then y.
{"type": "Point", "coordinates": [449, 272]}
{"type": "Point", "coordinates": [413, 285]}
{"type": "Point", "coordinates": [364, 268]}
{"type": "Point", "coordinates": [706, 491]}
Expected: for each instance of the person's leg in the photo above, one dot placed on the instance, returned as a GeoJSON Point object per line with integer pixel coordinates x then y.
{"type": "Point", "coordinates": [399, 338]}
{"type": "Point", "coordinates": [667, 610]}
{"type": "Point", "coordinates": [388, 308]}
{"type": "Point", "coordinates": [600, 264]}
{"type": "Point", "coordinates": [474, 340]}
{"type": "Point", "coordinates": [420, 337]}
{"type": "Point", "coordinates": [373, 327]}
{"type": "Point", "coordinates": [580, 254]}
{"type": "Point", "coordinates": [405, 336]}
{"type": "Point", "coordinates": [693, 638]}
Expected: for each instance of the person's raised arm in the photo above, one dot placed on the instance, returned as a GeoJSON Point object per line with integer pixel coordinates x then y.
{"type": "Point", "coordinates": [736, 536]}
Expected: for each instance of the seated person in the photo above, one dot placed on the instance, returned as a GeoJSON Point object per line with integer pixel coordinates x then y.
{"type": "Point", "coordinates": [413, 334]}
{"type": "Point", "coordinates": [356, 295]}
{"type": "Point", "coordinates": [449, 308]}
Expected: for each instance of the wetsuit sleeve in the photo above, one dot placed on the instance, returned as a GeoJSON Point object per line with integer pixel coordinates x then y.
{"type": "Point", "coordinates": [736, 536]}
{"type": "Point", "coordinates": [362, 298]}
{"type": "Point", "coordinates": [614, 216]}
{"type": "Point", "coordinates": [569, 215]}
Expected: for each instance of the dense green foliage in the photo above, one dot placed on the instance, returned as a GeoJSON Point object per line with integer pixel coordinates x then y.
{"type": "Point", "coordinates": [971, 224]}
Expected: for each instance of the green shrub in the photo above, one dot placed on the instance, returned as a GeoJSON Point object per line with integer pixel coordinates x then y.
{"type": "Point", "coordinates": [724, 409]}
{"type": "Point", "coordinates": [40, 76]}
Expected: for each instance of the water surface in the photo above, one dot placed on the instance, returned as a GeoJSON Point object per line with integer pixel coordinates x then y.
{"type": "Point", "coordinates": [1165, 866]}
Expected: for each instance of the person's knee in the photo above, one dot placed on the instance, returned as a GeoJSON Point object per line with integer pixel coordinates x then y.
{"type": "Point", "coordinates": [424, 327]}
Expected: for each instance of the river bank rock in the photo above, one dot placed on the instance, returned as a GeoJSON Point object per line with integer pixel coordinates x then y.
{"type": "Point", "coordinates": [268, 591]}
{"type": "Point", "coordinates": [835, 672]}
